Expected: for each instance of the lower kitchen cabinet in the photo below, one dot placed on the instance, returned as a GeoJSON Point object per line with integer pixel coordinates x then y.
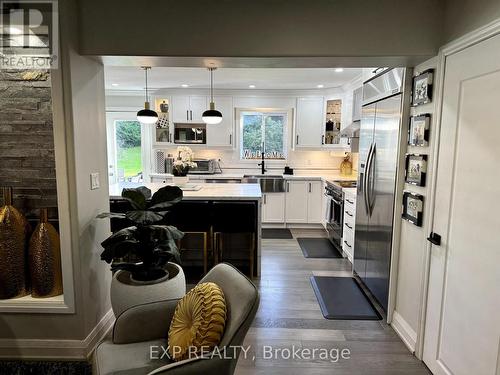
{"type": "Point", "coordinates": [273, 208]}
{"type": "Point", "coordinates": [315, 202]}
{"type": "Point", "coordinates": [349, 224]}
{"type": "Point", "coordinates": [296, 201]}
{"type": "Point", "coordinates": [303, 204]}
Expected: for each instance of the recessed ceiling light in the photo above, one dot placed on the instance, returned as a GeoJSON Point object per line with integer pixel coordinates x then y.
{"type": "Point", "coordinates": [251, 86]}
{"type": "Point", "coordinates": [339, 70]}
{"type": "Point", "coordinates": [115, 84]}
{"type": "Point", "coordinates": [320, 86]}
{"type": "Point", "coordinates": [184, 85]}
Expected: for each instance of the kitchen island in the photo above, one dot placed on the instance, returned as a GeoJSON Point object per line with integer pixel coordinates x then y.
{"type": "Point", "coordinates": [208, 195]}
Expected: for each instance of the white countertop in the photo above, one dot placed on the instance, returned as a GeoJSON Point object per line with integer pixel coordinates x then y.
{"type": "Point", "coordinates": [302, 176]}
{"type": "Point", "coordinates": [208, 191]}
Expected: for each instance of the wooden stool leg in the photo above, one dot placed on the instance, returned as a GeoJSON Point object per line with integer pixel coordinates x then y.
{"type": "Point", "coordinates": [252, 254]}
{"type": "Point", "coordinates": [205, 253]}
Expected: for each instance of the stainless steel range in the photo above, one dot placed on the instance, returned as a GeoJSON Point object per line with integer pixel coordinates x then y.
{"type": "Point", "coordinates": [335, 210]}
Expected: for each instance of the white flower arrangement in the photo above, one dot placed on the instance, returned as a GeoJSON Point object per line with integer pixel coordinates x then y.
{"type": "Point", "coordinates": [184, 160]}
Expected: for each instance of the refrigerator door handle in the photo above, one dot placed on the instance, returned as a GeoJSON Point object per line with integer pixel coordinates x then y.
{"type": "Point", "coordinates": [371, 179]}
{"type": "Point", "coordinates": [365, 180]}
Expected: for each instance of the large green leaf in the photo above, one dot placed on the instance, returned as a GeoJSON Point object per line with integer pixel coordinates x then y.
{"type": "Point", "coordinates": [111, 215]}
{"type": "Point", "coordinates": [166, 197]}
{"type": "Point", "coordinates": [166, 232]}
{"type": "Point", "coordinates": [120, 249]}
{"type": "Point", "coordinates": [143, 217]}
{"type": "Point", "coordinates": [136, 197]}
{"type": "Point", "coordinates": [122, 235]}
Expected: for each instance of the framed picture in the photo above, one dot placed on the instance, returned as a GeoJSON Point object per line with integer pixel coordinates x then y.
{"type": "Point", "coordinates": [422, 88]}
{"type": "Point", "coordinates": [413, 208]}
{"type": "Point", "coordinates": [418, 134]}
{"type": "Point", "coordinates": [416, 168]}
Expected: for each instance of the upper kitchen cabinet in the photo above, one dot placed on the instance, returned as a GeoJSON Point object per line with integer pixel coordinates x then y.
{"type": "Point", "coordinates": [309, 122]}
{"type": "Point", "coordinates": [188, 109]}
{"type": "Point", "coordinates": [332, 122]}
{"type": "Point", "coordinates": [357, 104]}
{"type": "Point", "coordinates": [221, 135]}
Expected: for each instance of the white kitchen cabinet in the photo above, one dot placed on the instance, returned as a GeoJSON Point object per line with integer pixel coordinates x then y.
{"type": "Point", "coordinates": [296, 201]}
{"type": "Point", "coordinates": [273, 208]}
{"type": "Point", "coordinates": [198, 105]}
{"type": "Point", "coordinates": [314, 202]}
{"type": "Point", "coordinates": [309, 122]}
{"type": "Point", "coordinates": [188, 109]}
{"type": "Point", "coordinates": [221, 135]}
{"type": "Point", "coordinates": [349, 223]}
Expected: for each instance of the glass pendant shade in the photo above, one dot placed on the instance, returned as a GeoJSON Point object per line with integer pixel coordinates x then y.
{"type": "Point", "coordinates": [146, 115]}
{"type": "Point", "coordinates": [211, 116]}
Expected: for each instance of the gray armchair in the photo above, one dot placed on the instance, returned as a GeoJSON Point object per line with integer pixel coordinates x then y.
{"type": "Point", "coordinates": [140, 333]}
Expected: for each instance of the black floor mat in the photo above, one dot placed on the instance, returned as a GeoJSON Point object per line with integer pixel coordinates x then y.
{"type": "Point", "coordinates": [318, 248]}
{"type": "Point", "coordinates": [277, 233]}
{"type": "Point", "coordinates": [342, 298]}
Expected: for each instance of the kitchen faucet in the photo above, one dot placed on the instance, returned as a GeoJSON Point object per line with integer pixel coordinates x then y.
{"type": "Point", "coordinates": [262, 164]}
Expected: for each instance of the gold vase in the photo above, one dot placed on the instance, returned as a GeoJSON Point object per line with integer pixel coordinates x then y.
{"type": "Point", "coordinates": [13, 264]}
{"type": "Point", "coordinates": [346, 167]}
{"type": "Point", "coordinates": [45, 260]}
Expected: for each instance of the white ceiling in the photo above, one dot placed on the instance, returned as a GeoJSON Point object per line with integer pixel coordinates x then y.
{"type": "Point", "coordinates": [132, 78]}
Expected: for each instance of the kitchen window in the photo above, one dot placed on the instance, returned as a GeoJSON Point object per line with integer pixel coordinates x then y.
{"type": "Point", "coordinates": [263, 130]}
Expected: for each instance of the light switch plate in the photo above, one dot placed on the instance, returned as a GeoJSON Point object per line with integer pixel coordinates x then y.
{"type": "Point", "coordinates": [94, 181]}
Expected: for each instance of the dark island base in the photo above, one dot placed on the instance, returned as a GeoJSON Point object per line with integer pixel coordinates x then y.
{"type": "Point", "coordinates": [199, 216]}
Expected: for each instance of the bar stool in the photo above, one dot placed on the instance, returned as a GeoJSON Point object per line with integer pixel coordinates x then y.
{"type": "Point", "coordinates": [193, 218]}
{"type": "Point", "coordinates": [234, 218]}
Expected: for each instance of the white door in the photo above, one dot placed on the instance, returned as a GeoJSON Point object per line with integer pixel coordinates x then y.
{"type": "Point", "coordinates": [463, 312]}
{"type": "Point", "coordinates": [197, 105]}
{"type": "Point", "coordinates": [296, 201]}
{"type": "Point", "coordinates": [180, 109]}
{"type": "Point", "coordinates": [128, 146]}
{"type": "Point", "coordinates": [309, 124]}
{"type": "Point", "coordinates": [314, 202]}
{"type": "Point", "coordinates": [221, 135]}
{"type": "Point", "coordinates": [273, 208]}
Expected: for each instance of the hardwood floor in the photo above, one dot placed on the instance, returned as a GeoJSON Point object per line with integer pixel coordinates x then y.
{"type": "Point", "coordinates": [289, 317]}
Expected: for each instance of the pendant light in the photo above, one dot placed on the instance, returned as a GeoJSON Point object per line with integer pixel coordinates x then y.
{"type": "Point", "coordinates": [146, 115]}
{"type": "Point", "coordinates": [211, 116]}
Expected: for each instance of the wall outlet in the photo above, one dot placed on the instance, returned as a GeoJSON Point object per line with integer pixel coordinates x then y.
{"type": "Point", "coordinates": [94, 181]}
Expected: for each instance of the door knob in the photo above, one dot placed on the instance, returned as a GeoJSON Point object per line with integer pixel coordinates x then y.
{"type": "Point", "coordinates": [434, 238]}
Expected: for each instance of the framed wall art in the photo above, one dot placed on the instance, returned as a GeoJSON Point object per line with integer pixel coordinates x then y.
{"type": "Point", "coordinates": [413, 208]}
{"type": "Point", "coordinates": [416, 169]}
{"type": "Point", "coordinates": [422, 88]}
{"type": "Point", "coordinates": [418, 134]}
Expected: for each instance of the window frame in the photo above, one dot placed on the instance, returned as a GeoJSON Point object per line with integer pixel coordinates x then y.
{"type": "Point", "coordinates": [287, 112]}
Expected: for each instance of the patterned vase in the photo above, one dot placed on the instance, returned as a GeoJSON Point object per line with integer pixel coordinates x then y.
{"type": "Point", "coordinates": [45, 260]}
{"type": "Point", "coordinates": [13, 263]}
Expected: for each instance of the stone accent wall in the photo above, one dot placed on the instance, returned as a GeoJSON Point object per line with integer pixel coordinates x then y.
{"type": "Point", "coordinates": [27, 161]}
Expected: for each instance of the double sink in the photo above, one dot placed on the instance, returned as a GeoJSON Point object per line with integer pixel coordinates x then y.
{"type": "Point", "coordinates": [268, 183]}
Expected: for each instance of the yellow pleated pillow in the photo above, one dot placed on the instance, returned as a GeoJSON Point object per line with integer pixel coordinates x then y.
{"type": "Point", "coordinates": [199, 320]}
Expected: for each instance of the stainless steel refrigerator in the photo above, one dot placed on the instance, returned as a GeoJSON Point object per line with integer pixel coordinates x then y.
{"type": "Point", "coordinates": [379, 144]}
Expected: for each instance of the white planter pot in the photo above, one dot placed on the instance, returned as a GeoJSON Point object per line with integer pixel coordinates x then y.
{"type": "Point", "coordinates": [180, 180]}
{"type": "Point", "coordinates": [126, 293]}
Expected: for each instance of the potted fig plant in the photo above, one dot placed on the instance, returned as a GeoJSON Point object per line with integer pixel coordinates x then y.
{"type": "Point", "coordinates": [143, 256]}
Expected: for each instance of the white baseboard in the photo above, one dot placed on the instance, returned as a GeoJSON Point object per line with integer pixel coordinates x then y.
{"type": "Point", "coordinates": [57, 349]}
{"type": "Point", "coordinates": [404, 331]}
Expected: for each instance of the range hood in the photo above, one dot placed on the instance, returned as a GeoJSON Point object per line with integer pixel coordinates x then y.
{"type": "Point", "coordinates": [351, 131]}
